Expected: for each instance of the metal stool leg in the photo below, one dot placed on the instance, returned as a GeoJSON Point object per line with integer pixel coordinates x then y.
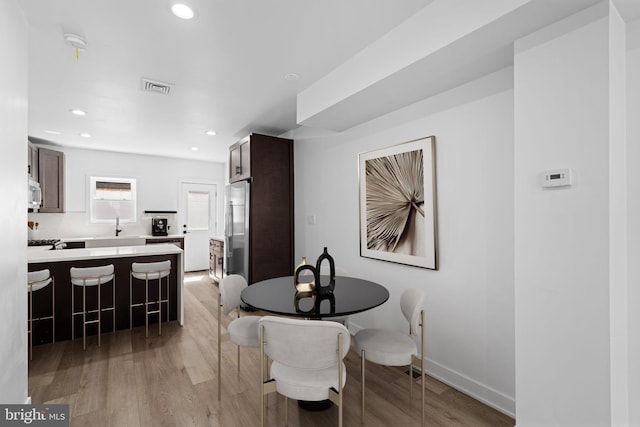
{"type": "Point", "coordinates": [30, 329]}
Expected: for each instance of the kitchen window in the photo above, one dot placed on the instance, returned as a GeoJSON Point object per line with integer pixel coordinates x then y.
{"type": "Point", "coordinates": [111, 198]}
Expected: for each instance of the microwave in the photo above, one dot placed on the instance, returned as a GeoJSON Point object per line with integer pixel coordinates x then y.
{"type": "Point", "coordinates": [34, 196]}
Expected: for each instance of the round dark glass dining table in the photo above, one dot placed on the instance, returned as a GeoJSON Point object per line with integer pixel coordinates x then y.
{"type": "Point", "coordinates": [350, 295]}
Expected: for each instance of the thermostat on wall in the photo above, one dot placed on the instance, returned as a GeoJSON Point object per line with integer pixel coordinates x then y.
{"type": "Point", "coordinates": [556, 178]}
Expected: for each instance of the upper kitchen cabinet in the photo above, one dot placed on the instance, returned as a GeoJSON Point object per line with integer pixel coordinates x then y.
{"type": "Point", "coordinates": [32, 169]}
{"type": "Point", "coordinates": [240, 159]}
{"type": "Point", "coordinates": [51, 179]}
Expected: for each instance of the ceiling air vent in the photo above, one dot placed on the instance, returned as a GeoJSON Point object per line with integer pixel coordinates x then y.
{"type": "Point", "coordinates": [157, 87]}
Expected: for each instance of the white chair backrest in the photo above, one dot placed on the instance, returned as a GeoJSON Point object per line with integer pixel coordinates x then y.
{"type": "Point", "coordinates": [411, 303]}
{"type": "Point", "coordinates": [151, 270]}
{"type": "Point", "coordinates": [91, 276]}
{"type": "Point", "coordinates": [310, 344]}
{"type": "Point", "coordinates": [230, 289]}
{"type": "Point", "coordinates": [38, 279]}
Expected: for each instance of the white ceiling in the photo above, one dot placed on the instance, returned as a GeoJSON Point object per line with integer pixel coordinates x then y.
{"type": "Point", "coordinates": [227, 65]}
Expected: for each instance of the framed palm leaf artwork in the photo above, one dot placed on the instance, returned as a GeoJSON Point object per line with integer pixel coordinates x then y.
{"type": "Point", "coordinates": [398, 215]}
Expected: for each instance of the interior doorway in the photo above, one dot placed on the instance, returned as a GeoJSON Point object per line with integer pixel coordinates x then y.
{"type": "Point", "coordinates": [197, 215]}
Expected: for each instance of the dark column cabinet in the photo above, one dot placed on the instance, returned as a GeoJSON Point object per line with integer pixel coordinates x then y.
{"type": "Point", "coordinates": [270, 166]}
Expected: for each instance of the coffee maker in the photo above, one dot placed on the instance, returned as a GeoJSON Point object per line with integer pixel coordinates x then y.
{"type": "Point", "coordinates": [159, 226]}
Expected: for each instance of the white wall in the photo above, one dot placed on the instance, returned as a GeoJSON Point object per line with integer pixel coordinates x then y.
{"type": "Point", "coordinates": [470, 329]}
{"type": "Point", "coordinates": [633, 159]}
{"type": "Point", "coordinates": [157, 189]}
{"type": "Point", "coordinates": [563, 239]}
{"type": "Point", "coordinates": [13, 216]}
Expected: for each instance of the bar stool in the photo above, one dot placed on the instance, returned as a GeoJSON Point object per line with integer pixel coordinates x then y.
{"type": "Point", "coordinates": [37, 280]}
{"type": "Point", "coordinates": [91, 276]}
{"type": "Point", "coordinates": [150, 271]}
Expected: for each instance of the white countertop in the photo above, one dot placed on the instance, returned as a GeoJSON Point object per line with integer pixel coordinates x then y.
{"type": "Point", "coordinates": [123, 237]}
{"type": "Point", "coordinates": [34, 256]}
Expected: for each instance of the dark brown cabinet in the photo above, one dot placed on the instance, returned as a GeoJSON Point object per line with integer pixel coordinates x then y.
{"type": "Point", "coordinates": [51, 179]}
{"type": "Point", "coordinates": [32, 168]}
{"type": "Point", "coordinates": [216, 257]}
{"type": "Point", "coordinates": [270, 204]}
{"type": "Point", "coordinates": [178, 241]}
{"type": "Point", "coordinates": [240, 160]}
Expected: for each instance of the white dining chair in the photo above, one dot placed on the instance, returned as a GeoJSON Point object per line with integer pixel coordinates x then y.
{"type": "Point", "coordinates": [307, 360]}
{"type": "Point", "coordinates": [242, 331]}
{"type": "Point", "coordinates": [393, 348]}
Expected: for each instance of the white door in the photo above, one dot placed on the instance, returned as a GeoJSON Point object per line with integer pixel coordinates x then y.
{"type": "Point", "coordinates": [198, 223]}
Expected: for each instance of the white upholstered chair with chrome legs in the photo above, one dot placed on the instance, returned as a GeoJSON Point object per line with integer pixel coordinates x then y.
{"type": "Point", "coordinates": [84, 277]}
{"type": "Point", "coordinates": [149, 271]}
{"type": "Point", "coordinates": [37, 280]}
{"type": "Point", "coordinates": [307, 360]}
{"type": "Point", "coordinates": [393, 348]}
{"type": "Point", "coordinates": [242, 331]}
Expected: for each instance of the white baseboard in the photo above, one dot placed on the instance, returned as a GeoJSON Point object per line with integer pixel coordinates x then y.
{"type": "Point", "coordinates": [481, 392]}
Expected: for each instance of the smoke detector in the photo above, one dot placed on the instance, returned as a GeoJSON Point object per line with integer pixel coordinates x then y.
{"type": "Point", "coordinates": [75, 40]}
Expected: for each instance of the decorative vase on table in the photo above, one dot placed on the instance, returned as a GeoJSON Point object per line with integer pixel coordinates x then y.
{"type": "Point", "coordinates": [320, 288]}
{"type": "Point", "coordinates": [299, 283]}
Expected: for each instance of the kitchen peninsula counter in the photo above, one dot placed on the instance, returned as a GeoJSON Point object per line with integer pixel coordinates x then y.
{"type": "Point", "coordinates": [59, 263]}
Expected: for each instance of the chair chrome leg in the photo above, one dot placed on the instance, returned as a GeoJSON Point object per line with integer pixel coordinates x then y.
{"type": "Point", "coordinates": [99, 311]}
{"type": "Point", "coordinates": [262, 401]}
{"type": "Point", "coordinates": [53, 307]}
{"type": "Point", "coordinates": [219, 349]}
{"type": "Point", "coordinates": [286, 411]}
{"type": "Point", "coordinates": [130, 300]}
{"type": "Point", "coordinates": [146, 308]}
{"type": "Point", "coordinates": [84, 317]}
{"type": "Point", "coordinates": [238, 309]}
{"type": "Point", "coordinates": [340, 374]}
{"type": "Point", "coordinates": [29, 331]}
{"type": "Point", "coordinates": [362, 366]}
{"type": "Point", "coordinates": [113, 301]}
{"type": "Point", "coordinates": [159, 306]}
{"type": "Point", "coordinates": [422, 362]}
{"type": "Point", "coordinates": [73, 314]}
{"type": "Point", "coordinates": [410, 381]}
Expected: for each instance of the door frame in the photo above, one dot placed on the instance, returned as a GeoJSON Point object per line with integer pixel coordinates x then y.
{"type": "Point", "coordinates": [181, 195]}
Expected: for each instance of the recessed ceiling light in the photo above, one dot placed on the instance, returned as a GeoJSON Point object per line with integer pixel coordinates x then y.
{"type": "Point", "coordinates": [291, 76]}
{"type": "Point", "coordinates": [52, 132]}
{"type": "Point", "coordinates": [211, 132]}
{"type": "Point", "coordinates": [78, 112]}
{"type": "Point", "coordinates": [85, 135]}
{"type": "Point", "coordinates": [182, 11]}
{"type": "Point", "coordinates": [194, 148]}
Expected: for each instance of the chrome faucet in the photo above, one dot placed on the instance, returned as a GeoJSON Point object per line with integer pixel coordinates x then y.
{"type": "Point", "coordinates": [118, 230]}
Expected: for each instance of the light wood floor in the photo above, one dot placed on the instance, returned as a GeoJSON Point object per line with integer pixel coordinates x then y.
{"type": "Point", "coordinates": [171, 381]}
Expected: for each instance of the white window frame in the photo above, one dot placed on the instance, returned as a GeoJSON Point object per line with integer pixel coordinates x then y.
{"type": "Point", "coordinates": [92, 199]}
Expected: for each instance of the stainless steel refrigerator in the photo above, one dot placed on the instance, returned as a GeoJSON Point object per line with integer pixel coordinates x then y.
{"type": "Point", "coordinates": [237, 229]}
